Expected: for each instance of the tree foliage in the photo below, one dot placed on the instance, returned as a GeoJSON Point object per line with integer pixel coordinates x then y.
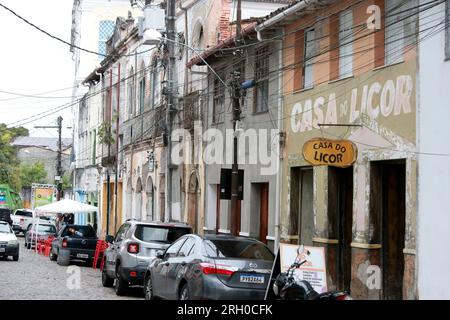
{"type": "Point", "coordinates": [9, 163]}
{"type": "Point", "coordinates": [66, 182]}
{"type": "Point", "coordinates": [32, 173]}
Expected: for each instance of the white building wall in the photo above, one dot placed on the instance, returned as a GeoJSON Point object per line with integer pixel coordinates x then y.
{"type": "Point", "coordinates": [433, 253]}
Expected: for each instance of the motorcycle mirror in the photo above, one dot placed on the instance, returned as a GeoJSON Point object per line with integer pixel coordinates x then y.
{"type": "Point", "coordinates": [308, 253]}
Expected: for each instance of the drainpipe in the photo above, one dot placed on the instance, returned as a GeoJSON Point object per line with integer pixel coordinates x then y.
{"type": "Point", "coordinates": [117, 151]}
{"type": "Point", "coordinates": [279, 17]}
{"type": "Point", "coordinates": [280, 167]}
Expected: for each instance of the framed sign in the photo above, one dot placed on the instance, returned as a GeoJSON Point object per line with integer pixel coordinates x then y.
{"type": "Point", "coordinates": [327, 152]}
{"type": "Point", "coordinates": [314, 270]}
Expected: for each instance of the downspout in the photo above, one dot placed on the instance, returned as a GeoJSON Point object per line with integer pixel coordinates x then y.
{"type": "Point", "coordinates": [117, 150]}
{"type": "Point", "coordinates": [280, 167]}
{"type": "Point", "coordinates": [99, 182]}
{"type": "Point", "coordinates": [185, 93]}
{"type": "Point", "coordinates": [279, 17]}
{"type": "Point", "coordinates": [108, 178]}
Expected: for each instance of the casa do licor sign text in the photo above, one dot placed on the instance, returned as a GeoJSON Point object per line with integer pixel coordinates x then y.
{"type": "Point", "coordinates": [327, 152]}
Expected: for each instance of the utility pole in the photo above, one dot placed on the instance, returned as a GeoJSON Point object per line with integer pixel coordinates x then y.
{"type": "Point", "coordinates": [170, 108]}
{"type": "Point", "coordinates": [58, 155]}
{"type": "Point", "coordinates": [236, 95]}
{"type": "Point", "coordinates": [58, 161]}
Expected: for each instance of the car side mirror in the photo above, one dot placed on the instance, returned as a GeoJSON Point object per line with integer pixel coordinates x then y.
{"type": "Point", "coordinates": [109, 239]}
{"type": "Point", "coordinates": [160, 254]}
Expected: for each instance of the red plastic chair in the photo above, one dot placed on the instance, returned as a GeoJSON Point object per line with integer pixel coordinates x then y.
{"type": "Point", "coordinates": [40, 246]}
{"type": "Point", "coordinates": [99, 251]}
{"type": "Point", "coordinates": [48, 246]}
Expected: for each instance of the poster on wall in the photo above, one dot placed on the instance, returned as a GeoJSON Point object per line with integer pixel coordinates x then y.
{"type": "Point", "coordinates": [314, 270]}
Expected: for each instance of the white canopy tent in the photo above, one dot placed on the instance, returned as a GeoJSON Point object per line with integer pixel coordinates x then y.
{"type": "Point", "coordinates": [62, 206]}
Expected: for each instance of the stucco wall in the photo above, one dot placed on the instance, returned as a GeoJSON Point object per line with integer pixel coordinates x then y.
{"type": "Point", "coordinates": [433, 252]}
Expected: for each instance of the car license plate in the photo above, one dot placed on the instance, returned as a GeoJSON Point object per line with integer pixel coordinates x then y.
{"type": "Point", "coordinates": [82, 255]}
{"type": "Point", "coordinates": [2, 249]}
{"type": "Point", "coordinates": [249, 278]}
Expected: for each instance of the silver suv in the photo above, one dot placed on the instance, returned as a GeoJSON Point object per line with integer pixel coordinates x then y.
{"type": "Point", "coordinates": [133, 247]}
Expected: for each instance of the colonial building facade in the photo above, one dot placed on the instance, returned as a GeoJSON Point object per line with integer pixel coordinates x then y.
{"type": "Point", "coordinates": [346, 80]}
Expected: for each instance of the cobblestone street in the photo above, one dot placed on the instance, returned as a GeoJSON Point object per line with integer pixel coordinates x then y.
{"type": "Point", "coordinates": [36, 277]}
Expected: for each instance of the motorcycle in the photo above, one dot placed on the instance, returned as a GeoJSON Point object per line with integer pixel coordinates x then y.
{"type": "Point", "coordinates": [287, 287]}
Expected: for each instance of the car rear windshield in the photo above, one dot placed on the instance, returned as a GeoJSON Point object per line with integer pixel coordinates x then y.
{"type": "Point", "coordinates": [237, 249]}
{"type": "Point", "coordinates": [79, 232]}
{"type": "Point", "coordinates": [163, 234]}
{"type": "Point", "coordinates": [4, 228]}
{"type": "Point", "coordinates": [24, 213]}
{"type": "Point", "coordinates": [46, 229]}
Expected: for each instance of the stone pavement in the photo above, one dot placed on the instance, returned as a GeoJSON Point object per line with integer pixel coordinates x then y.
{"type": "Point", "coordinates": [35, 277]}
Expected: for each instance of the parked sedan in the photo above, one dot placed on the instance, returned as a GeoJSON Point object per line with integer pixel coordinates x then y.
{"type": "Point", "coordinates": [9, 246]}
{"type": "Point", "coordinates": [43, 232]}
{"type": "Point", "coordinates": [210, 267]}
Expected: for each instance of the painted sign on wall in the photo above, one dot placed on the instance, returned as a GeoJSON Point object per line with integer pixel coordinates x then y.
{"type": "Point", "coordinates": [327, 152]}
{"type": "Point", "coordinates": [314, 270]}
{"type": "Point", "coordinates": [42, 194]}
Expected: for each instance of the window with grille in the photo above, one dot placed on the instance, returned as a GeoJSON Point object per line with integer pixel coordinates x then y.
{"type": "Point", "coordinates": [308, 60]}
{"type": "Point", "coordinates": [399, 29]}
{"type": "Point", "coordinates": [345, 44]}
{"type": "Point", "coordinates": [218, 100]}
{"type": "Point", "coordinates": [105, 31]}
{"type": "Point", "coordinates": [261, 80]}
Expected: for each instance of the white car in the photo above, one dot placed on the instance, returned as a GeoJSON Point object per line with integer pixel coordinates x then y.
{"type": "Point", "coordinates": [22, 218]}
{"type": "Point", "coordinates": [9, 246]}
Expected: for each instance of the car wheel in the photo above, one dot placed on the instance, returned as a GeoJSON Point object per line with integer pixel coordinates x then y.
{"type": "Point", "coordinates": [121, 285]}
{"type": "Point", "coordinates": [184, 293]}
{"type": "Point", "coordinates": [15, 257]}
{"type": "Point", "coordinates": [63, 258]}
{"type": "Point", "coordinates": [52, 256]}
{"type": "Point", "coordinates": [107, 281]}
{"type": "Point", "coordinates": [148, 289]}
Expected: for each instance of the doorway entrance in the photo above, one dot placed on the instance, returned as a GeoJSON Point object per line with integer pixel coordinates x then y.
{"type": "Point", "coordinates": [260, 210]}
{"type": "Point", "coordinates": [193, 201]}
{"type": "Point", "coordinates": [388, 196]}
{"type": "Point", "coordinates": [340, 217]}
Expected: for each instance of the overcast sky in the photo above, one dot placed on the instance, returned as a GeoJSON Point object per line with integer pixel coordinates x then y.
{"type": "Point", "coordinates": [32, 63]}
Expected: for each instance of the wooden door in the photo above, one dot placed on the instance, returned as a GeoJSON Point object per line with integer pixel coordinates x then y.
{"type": "Point", "coordinates": [218, 208]}
{"type": "Point", "coordinates": [264, 212]}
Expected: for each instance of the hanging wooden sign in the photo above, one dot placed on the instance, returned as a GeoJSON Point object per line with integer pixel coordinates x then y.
{"type": "Point", "coordinates": [327, 152]}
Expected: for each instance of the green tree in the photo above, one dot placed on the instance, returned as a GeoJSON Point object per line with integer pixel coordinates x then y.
{"type": "Point", "coordinates": [9, 163]}
{"type": "Point", "coordinates": [32, 173]}
{"type": "Point", "coordinates": [66, 182]}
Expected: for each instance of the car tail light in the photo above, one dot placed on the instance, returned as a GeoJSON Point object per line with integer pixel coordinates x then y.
{"type": "Point", "coordinates": [133, 248]}
{"type": "Point", "coordinates": [133, 274]}
{"type": "Point", "coordinates": [209, 268]}
{"type": "Point", "coordinates": [342, 297]}
{"type": "Point", "coordinates": [64, 243]}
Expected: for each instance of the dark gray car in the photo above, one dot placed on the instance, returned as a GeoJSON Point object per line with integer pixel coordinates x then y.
{"type": "Point", "coordinates": [132, 249]}
{"type": "Point", "coordinates": [210, 267]}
